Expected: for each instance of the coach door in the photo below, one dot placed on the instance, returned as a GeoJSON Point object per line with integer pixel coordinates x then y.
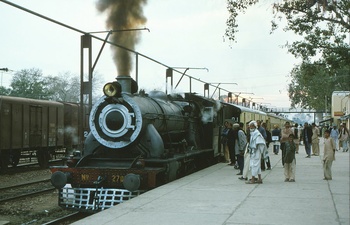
{"type": "Point", "coordinates": [35, 126]}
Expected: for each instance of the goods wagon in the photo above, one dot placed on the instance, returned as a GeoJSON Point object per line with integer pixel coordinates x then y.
{"type": "Point", "coordinates": [39, 128]}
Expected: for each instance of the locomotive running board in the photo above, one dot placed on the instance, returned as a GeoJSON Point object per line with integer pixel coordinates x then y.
{"type": "Point", "coordinates": [92, 199]}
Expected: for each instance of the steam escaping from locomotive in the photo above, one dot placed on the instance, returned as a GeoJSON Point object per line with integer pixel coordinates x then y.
{"type": "Point", "coordinates": [123, 15]}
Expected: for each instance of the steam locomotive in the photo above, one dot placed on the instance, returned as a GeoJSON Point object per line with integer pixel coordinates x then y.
{"type": "Point", "coordinates": [138, 141]}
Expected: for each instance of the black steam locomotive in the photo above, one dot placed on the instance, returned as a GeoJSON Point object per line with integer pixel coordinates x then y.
{"type": "Point", "coordinates": [138, 141]}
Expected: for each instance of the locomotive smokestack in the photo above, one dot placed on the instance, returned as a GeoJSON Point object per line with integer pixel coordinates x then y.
{"type": "Point", "coordinates": [128, 84]}
{"type": "Point", "coordinates": [123, 14]}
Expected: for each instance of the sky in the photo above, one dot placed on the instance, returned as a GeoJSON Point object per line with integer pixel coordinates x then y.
{"type": "Point", "coordinates": [182, 34]}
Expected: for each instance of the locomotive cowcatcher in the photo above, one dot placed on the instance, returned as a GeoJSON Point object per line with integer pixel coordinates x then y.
{"type": "Point", "coordinates": [138, 141]}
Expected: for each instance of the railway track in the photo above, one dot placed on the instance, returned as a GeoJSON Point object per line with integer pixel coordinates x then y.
{"type": "Point", "coordinates": [68, 219]}
{"type": "Point", "coordinates": [25, 190]}
{"type": "Point", "coordinates": [23, 202]}
{"type": "Point", "coordinates": [25, 167]}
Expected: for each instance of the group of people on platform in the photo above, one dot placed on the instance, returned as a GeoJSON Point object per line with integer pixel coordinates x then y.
{"type": "Point", "coordinates": [248, 150]}
{"type": "Point", "coordinates": [340, 136]}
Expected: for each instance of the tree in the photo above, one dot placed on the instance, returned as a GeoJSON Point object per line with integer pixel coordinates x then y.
{"type": "Point", "coordinates": [311, 84]}
{"type": "Point", "coordinates": [324, 27]}
{"type": "Point", "coordinates": [64, 87]}
{"type": "Point", "coordinates": [29, 83]}
{"type": "Point", "coordinates": [4, 91]}
{"type": "Point", "coordinates": [235, 7]}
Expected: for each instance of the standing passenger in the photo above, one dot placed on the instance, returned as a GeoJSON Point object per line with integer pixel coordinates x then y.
{"type": "Point", "coordinates": [296, 138]}
{"type": "Point", "coordinates": [261, 129]}
{"type": "Point", "coordinates": [307, 134]}
{"type": "Point", "coordinates": [240, 143]}
{"type": "Point", "coordinates": [334, 135]}
{"type": "Point", "coordinates": [224, 141]}
{"type": "Point", "coordinates": [246, 156]}
{"type": "Point", "coordinates": [286, 131]}
{"type": "Point", "coordinates": [257, 147]}
{"type": "Point", "coordinates": [328, 155]}
{"type": "Point", "coordinates": [231, 144]}
{"type": "Point", "coordinates": [246, 164]}
{"type": "Point", "coordinates": [315, 140]}
{"type": "Point", "coordinates": [344, 136]}
{"type": "Point", "coordinates": [276, 134]}
{"type": "Point", "coordinates": [268, 140]}
{"type": "Point", "coordinates": [289, 160]}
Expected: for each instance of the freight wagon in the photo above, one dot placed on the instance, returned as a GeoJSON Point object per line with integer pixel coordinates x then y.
{"type": "Point", "coordinates": [38, 128]}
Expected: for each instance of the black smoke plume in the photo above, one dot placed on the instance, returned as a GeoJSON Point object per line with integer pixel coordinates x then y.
{"type": "Point", "coordinates": [123, 14]}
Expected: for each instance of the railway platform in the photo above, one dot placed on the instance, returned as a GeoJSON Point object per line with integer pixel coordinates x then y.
{"type": "Point", "coordinates": [216, 196]}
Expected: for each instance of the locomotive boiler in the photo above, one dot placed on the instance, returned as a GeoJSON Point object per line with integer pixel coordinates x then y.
{"type": "Point", "coordinates": [137, 141]}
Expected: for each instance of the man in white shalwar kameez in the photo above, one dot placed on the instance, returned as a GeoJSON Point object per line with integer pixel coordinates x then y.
{"type": "Point", "coordinates": [257, 147]}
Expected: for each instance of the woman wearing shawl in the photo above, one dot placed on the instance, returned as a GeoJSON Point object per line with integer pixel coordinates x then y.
{"type": "Point", "coordinates": [257, 148]}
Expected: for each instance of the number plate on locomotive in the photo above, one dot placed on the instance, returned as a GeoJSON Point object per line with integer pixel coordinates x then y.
{"type": "Point", "coordinates": [118, 179]}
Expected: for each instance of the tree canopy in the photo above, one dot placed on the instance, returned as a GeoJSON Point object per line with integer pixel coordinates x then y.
{"type": "Point", "coordinates": [65, 87]}
{"type": "Point", "coordinates": [4, 91]}
{"type": "Point", "coordinates": [324, 47]}
{"type": "Point", "coordinates": [29, 83]}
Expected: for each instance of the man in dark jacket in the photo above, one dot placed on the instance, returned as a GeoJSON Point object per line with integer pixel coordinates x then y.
{"type": "Point", "coordinates": [231, 143]}
{"type": "Point", "coordinates": [307, 139]}
{"type": "Point", "coordinates": [268, 140]}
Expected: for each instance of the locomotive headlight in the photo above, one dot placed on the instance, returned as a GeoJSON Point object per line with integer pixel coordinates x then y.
{"type": "Point", "coordinates": [112, 89]}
